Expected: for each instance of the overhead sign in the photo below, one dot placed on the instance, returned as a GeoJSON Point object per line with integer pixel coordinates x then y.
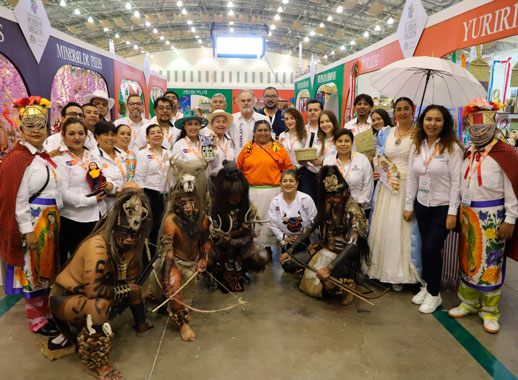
{"type": "Point", "coordinates": [35, 25]}
{"type": "Point", "coordinates": [411, 26]}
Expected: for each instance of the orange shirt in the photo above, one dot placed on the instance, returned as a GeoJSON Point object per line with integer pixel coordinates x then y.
{"type": "Point", "coordinates": [259, 167]}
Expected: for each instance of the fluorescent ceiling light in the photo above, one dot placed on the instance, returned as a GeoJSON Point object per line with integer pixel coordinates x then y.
{"type": "Point", "coordinates": [279, 10]}
{"type": "Point", "coordinates": [342, 48]}
{"type": "Point", "coordinates": [306, 39]}
{"type": "Point", "coordinates": [148, 24]}
{"type": "Point", "coordinates": [377, 28]}
{"type": "Point", "coordinates": [390, 21]}
{"type": "Point", "coordinates": [366, 34]}
{"type": "Point", "coordinates": [329, 18]}
{"type": "Point", "coordinates": [322, 25]}
{"type": "Point", "coordinates": [128, 6]}
{"type": "Point", "coordinates": [339, 9]}
{"type": "Point", "coordinates": [117, 35]}
{"type": "Point", "coordinates": [77, 12]}
{"type": "Point", "coordinates": [277, 17]}
{"type": "Point", "coordinates": [136, 14]}
{"type": "Point", "coordinates": [90, 19]}
{"type": "Point", "coordinates": [62, 3]}
{"type": "Point", "coordinates": [312, 33]}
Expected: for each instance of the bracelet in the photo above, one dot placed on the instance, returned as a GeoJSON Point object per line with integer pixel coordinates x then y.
{"type": "Point", "coordinates": [121, 292]}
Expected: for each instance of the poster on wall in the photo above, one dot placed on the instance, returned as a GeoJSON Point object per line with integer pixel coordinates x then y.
{"type": "Point", "coordinates": [128, 87]}
{"type": "Point", "coordinates": [411, 26]}
{"type": "Point", "coordinates": [11, 88]}
{"type": "Point", "coordinates": [156, 92]}
{"type": "Point", "coordinates": [200, 99]}
{"type": "Point", "coordinates": [71, 83]}
{"type": "Point", "coordinates": [329, 89]}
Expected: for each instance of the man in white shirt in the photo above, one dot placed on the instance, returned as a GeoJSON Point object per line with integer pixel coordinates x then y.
{"type": "Point", "coordinates": [102, 101]}
{"type": "Point", "coordinates": [176, 114]}
{"type": "Point", "coordinates": [313, 109]}
{"type": "Point", "coordinates": [363, 104]}
{"type": "Point", "coordinates": [134, 120]}
{"type": "Point", "coordinates": [163, 109]}
{"type": "Point", "coordinates": [218, 102]}
{"type": "Point", "coordinates": [242, 129]}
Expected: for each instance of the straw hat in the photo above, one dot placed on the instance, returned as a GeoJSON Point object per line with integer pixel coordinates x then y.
{"type": "Point", "coordinates": [216, 113]}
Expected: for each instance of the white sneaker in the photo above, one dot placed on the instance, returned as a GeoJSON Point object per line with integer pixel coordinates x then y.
{"type": "Point", "coordinates": [418, 299]}
{"type": "Point", "coordinates": [430, 304]}
{"type": "Point", "coordinates": [397, 287]}
{"type": "Point", "coordinates": [491, 326]}
{"type": "Point", "coordinates": [458, 312]}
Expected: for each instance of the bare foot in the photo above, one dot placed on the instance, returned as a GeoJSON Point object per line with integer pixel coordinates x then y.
{"type": "Point", "coordinates": [186, 333]}
{"type": "Point", "coordinates": [105, 373]}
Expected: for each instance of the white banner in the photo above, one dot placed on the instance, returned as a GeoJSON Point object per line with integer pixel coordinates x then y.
{"type": "Point", "coordinates": [411, 26]}
{"type": "Point", "coordinates": [35, 25]}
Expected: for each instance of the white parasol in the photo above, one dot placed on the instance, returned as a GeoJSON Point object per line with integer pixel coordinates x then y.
{"type": "Point", "coordinates": [433, 80]}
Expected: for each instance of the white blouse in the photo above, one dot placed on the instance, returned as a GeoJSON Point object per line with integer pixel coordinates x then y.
{"type": "Point", "coordinates": [33, 179]}
{"type": "Point", "coordinates": [186, 150]}
{"type": "Point", "coordinates": [115, 172]}
{"type": "Point", "coordinates": [443, 172]}
{"type": "Point", "coordinates": [224, 150]}
{"type": "Point", "coordinates": [74, 187]}
{"type": "Point", "coordinates": [291, 144]}
{"type": "Point", "coordinates": [495, 185]}
{"type": "Point", "coordinates": [151, 170]}
{"type": "Point", "coordinates": [358, 174]}
{"type": "Point", "coordinates": [291, 219]}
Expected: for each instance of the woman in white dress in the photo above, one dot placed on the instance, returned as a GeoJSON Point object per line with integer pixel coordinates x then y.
{"type": "Point", "coordinates": [295, 136]}
{"type": "Point", "coordinates": [394, 243]}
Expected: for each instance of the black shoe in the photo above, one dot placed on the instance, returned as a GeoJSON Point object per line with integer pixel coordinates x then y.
{"type": "Point", "coordinates": [49, 329]}
{"type": "Point", "coordinates": [55, 346]}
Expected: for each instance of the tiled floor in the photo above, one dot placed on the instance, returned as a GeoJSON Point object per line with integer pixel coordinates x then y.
{"type": "Point", "coordinates": [282, 334]}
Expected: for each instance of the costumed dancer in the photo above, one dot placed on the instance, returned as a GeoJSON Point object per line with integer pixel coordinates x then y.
{"type": "Point", "coordinates": [488, 212]}
{"type": "Point", "coordinates": [291, 213]}
{"type": "Point", "coordinates": [343, 246]}
{"type": "Point", "coordinates": [185, 241]}
{"type": "Point", "coordinates": [394, 243]}
{"type": "Point", "coordinates": [233, 252]}
{"type": "Point", "coordinates": [29, 216]}
{"type": "Point", "coordinates": [101, 275]}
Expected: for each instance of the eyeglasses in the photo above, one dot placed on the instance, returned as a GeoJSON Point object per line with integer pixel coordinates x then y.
{"type": "Point", "coordinates": [164, 108]}
{"type": "Point", "coordinates": [135, 104]}
{"type": "Point", "coordinates": [270, 96]}
{"type": "Point", "coordinates": [75, 114]}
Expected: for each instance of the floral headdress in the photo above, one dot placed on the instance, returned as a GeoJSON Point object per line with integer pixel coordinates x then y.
{"type": "Point", "coordinates": [33, 106]}
{"type": "Point", "coordinates": [481, 111]}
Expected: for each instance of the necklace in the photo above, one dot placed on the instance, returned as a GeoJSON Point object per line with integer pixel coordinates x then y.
{"type": "Point", "coordinates": [402, 136]}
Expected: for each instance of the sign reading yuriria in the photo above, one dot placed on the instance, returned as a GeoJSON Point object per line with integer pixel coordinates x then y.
{"type": "Point", "coordinates": [411, 26]}
{"type": "Point", "coordinates": [35, 25]}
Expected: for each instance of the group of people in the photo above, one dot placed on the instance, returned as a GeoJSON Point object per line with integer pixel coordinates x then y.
{"type": "Point", "coordinates": [216, 195]}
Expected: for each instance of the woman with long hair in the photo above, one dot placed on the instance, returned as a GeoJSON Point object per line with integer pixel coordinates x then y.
{"type": "Point", "coordinates": [380, 118]}
{"type": "Point", "coordinates": [394, 243]}
{"type": "Point", "coordinates": [432, 193]}
{"type": "Point", "coordinates": [295, 135]}
{"type": "Point", "coordinates": [122, 142]}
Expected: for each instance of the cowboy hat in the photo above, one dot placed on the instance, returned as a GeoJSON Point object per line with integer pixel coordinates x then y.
{"type": "Point", "coordinates": [101, 95]}
{"type": "Point", "coordinates": [190, 115]}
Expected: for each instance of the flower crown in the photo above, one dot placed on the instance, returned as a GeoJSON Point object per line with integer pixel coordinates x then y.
{"type": "Point", "coordinates": [480, 105]}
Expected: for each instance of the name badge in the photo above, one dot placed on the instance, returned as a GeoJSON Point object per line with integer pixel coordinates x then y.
{"type": "Point", "coordinates": [424, 184]}
{"type": "Point", "coordinates": [466, 197]}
